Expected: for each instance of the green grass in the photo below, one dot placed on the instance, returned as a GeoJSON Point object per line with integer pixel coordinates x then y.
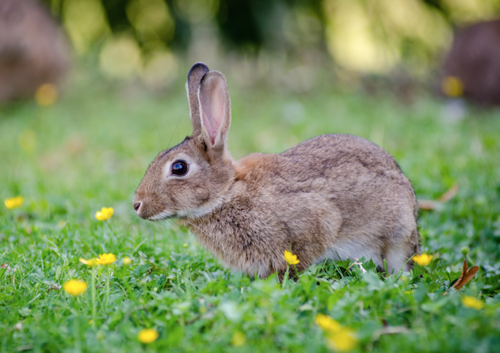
{"type": "Point", "coordinates": [91, 149]}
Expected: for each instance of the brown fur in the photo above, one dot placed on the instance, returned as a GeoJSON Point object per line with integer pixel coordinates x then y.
{"type": "Point", "coordinates": [333, 196]}
{"type": "Point", "coordinates": [245, 165]}
{"type": "Point", "coordinates": [33, 49]}
{"type": "Point", "coordinates": [475, 59]}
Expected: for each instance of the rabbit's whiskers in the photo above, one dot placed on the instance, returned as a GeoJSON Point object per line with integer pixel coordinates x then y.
{"type": "Point", "coordinates": [201, 230]}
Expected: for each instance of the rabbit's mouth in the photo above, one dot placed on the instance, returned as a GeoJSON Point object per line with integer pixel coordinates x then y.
{"type": "Point", "coordinates": [161, 216]}
{"type": "Point", "coordinates": [151, 211]}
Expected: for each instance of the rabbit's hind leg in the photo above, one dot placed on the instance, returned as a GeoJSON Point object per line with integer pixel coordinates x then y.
{"type": "Point", "coordinates": [399, 255]}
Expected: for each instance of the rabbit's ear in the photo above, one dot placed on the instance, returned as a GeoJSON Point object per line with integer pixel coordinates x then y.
{"type": "Point", "coordinates": [215, 107]}
{"type": "Point", "coordinates": [193, 83]}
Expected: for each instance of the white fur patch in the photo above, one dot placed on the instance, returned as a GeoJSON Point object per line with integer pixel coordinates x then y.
{"type": "Point", "coordinates": [200, 211]}
{"type": "Point", "coordinates": [349, 249]}
{"type": "Point", "coordinates": [196, 213]}
{"type": "Point", "coordinates": [160, 216]}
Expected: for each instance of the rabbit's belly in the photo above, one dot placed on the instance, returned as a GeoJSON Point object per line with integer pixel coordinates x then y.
{"type": "Point", "coordinates": [349, 249]}
{"type": "Point", "coordinates": [396, 256]}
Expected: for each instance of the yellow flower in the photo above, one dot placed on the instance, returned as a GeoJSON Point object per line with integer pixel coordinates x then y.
{"type": "Point", "coordinates": [127, 261]}
{"type": "Point", "coordinates": [423, 259]}
{"type": "Point", "coordinates": [452, 86]}
{"type": "Point", "coordinates": [290, 258]}
{"type": "Point", "coordinates": [104, 214]}
{"type": "Point", "coordinates": [46, 94]}
{"type": "Point", "coordinates": [473, 303]}
{"type": "Point", "coordinates": [91, 262]}
{"type": "Point", "coordinates": [75, 287]}
{"type": "Point", "coordinates": [147, 335]}
{"type": "Point", "coordinates": [14, 202]}
{"type": "Point", "coordinates": [339, 338]}
{"type": "Point", "coordinates": [238, 339]}
{"type": "Point", "coordinates": [106, 259]}
{"type": "Point", "coordinates": [327, 323]}
{"type": "Point", "coordinates": [343, 340]}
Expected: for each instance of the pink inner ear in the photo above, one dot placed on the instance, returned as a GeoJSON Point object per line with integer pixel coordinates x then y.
{"type": "Point", "coordinates": [212, 110]}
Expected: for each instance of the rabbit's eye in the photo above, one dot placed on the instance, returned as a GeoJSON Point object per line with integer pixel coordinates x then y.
{"type": "Point", "coordinates": [179, 168]}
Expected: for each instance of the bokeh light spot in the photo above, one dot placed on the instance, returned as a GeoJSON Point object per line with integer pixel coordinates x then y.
{"type": "Point", "coordinates": [27, 140]}
{"type": "Point", "coordinates": [120, 57]}
{"type": "Point", "coordinates": [46, 94]}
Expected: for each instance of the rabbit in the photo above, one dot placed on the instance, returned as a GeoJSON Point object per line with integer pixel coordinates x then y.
{"type": "Point", "coordinates": [333, 196]}
{"type": "Point", "coordinates": [33, 49]}
{"type": "Point", "coordinates": [473, 60]}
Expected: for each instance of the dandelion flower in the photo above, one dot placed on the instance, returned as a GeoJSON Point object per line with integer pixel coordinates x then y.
{"type": "Point", "coordinates": [90, 263]}
{"type": "Point", "coordinates": [327, 323]}
{"type": "Point", "coordinates": [75, 287]}
{"type": "Point", "coordinates": [343, 340]}
{"type": "Point", "coordinates": [290, 258]}
{"type": "Point", "coordinates": [106, 259]}
{"type": "Point", "coordinates": [14, 202]}
{"type": "Point", "coordinates": [423, 259]}
{"type": "Point", "coordinates": [104, 214]}
{"type": "Point", "coordinates": [238, 339]}
{"type": "Point", "coordinates": [147, 335]}
{"type": "Point", "coordinates": [472, 302]}
{"type": "Point", "coordinates": [127, 261]}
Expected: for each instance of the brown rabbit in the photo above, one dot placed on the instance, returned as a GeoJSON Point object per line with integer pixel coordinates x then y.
{"type": "Point", "coordinates": [333, 196]}
{"type": "Point", "coordinates": [474, 59]}
{"type": "Point", "coordinates": [33, 49]}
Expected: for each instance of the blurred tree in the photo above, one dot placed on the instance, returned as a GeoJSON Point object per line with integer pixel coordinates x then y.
{"type": "Point", "coordinates": [440, 6]}
{"type": "Point", "coordinates": [182, 30]}
{"type": "Point", "coordinates": [118, 17]}
{"type": "Point", "coordinates": [116, 14]}
{"type": "Point", "coordinates": [271, 24]}
{"type": "Point", "coordinates": [239, 21]}
{"type": "Point", "coordinates": [365, 35]}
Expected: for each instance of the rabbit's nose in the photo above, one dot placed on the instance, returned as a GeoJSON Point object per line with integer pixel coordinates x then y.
{"type": "Point", "coordinates": [137, 205]}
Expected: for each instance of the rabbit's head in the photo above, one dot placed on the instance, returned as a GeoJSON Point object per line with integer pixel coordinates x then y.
{"type": "Point", "coordinates": [190, 179]}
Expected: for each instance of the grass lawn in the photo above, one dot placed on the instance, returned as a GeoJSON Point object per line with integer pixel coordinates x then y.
{"type": "Point", "coordinates": [91, 149]}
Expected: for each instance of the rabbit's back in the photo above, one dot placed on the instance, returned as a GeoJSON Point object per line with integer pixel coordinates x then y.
{"type": "Point", "coordinates": [335, 165]}
{"type": "Point", "coordinates": [342, 150]}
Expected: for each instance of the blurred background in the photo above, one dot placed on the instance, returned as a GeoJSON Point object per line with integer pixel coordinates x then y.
{"type": "Point", "coordinates": [396, 45]}
{"type": "Point", "coordinates": [92, 90]}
